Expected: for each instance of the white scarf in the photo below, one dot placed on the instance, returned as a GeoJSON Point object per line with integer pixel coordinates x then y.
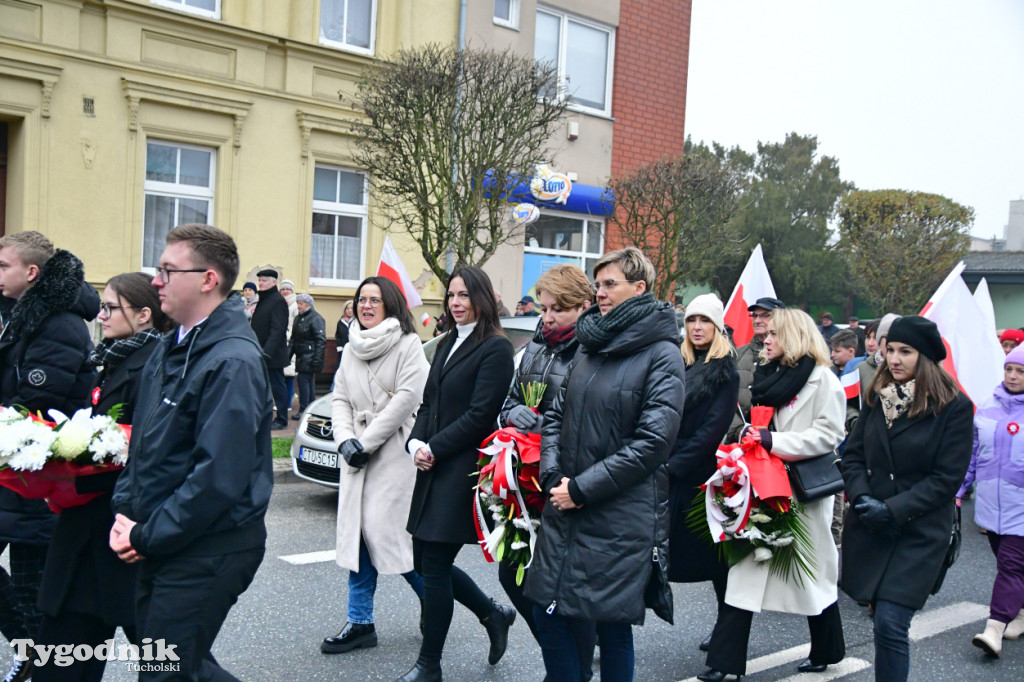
{"type": "Point", "coordinates": [367, 344]}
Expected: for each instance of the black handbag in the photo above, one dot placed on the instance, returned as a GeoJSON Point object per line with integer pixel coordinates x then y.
{"type": "Point", "coordinates": [657, 592]}
{"type": "Point", "coordinates": [815, 478]}
{"type": "Point", "coordinates": [952, 552]}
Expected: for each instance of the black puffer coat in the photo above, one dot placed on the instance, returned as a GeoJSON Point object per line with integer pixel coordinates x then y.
{"type": "Point", "coordinates": [540, 362]}
{"type": "Point", "coordinates": [309, 339]}
{"type": "Point", "coordinates": [610, 431]}
{"type": "Point", "coordinates": [711, 389]}
{"type": "Point", "coordinates": [44, 353]}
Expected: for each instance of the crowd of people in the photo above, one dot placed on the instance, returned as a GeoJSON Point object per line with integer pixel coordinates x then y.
{"type": "Point", "coordinates": [629, 429]}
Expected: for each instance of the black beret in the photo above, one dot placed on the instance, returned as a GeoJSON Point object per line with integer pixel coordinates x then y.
{"type": "Point", "coordinates": [267, 272]}
{"type": "Point", "coordinates": [920, 334]}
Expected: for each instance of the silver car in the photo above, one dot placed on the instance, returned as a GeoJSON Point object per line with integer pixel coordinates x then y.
{"type": "Point", "coordinates": [315, 456]}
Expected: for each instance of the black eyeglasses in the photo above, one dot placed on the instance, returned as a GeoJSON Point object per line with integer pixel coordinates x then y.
{"type": "Point", "coordinates": [107, 310]}
{"type": "Point", "coordinates": [165, 273]}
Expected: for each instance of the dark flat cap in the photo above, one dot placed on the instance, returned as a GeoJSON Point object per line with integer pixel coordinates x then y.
{"type": "Point", "coordinates": [920, 334]}
{"type": "Point", "coordinates": [768, 303]}
{"type": "Point", "coordinates": [527, 299]}
{"type": "Point", "coordinates": [267, 272]}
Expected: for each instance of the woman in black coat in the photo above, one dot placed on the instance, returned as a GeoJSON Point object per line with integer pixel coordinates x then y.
{"type": "Point", "coordinates": [307, 344]}
{"type": "Point", "coordinates": [605, 442]}
{"type": "Point", "coordinates": [563, 293]}
{"type": "Point", "coordinates": [87, 592]}
{"type": "Point", "coordinates": [712, 387]}
{"type": "Point", "coordinates": [465, 389]}
{"type": "Point", "coordinates": [902, 466]}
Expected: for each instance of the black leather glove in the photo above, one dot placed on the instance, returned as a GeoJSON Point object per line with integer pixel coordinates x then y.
{"type": "Point", "coordinates": [352, 451]}
{"type": "Point", "coordinates": [876, 515]}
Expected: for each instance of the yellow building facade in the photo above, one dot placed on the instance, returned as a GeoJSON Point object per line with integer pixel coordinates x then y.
{"type": "Point", "coordinates": [122, 118]}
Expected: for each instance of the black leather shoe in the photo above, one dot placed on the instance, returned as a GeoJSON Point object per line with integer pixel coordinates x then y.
{"type": "Point", "coordinates": [497, 625]}
{"type": "Point", "coordinates": [705, 643]}
{"type": "Point", "coordinates": [297, 417]}
{"type": "Point", "coordinates": [712, 675]}
{"type": "Point", "coordinates": [808, 667]}
{"type": "Point", "coordinates": [423, 672]}
{"type": "Point", "coordinates": [352, 636]}
{"type": "Point", "coordinates": [278, 424]}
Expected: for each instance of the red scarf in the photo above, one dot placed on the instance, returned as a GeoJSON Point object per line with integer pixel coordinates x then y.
{"type": "Point", "coordinates": [558, 335]}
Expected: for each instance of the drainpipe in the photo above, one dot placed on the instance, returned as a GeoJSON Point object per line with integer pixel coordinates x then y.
{"type": "Point", "coordinates": [449, 259]}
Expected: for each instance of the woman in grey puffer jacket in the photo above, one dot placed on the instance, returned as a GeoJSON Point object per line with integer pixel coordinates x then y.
{"type": "Point", "coordinates": [606, 440]}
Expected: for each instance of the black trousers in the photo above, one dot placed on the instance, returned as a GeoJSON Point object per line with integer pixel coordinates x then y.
{"type": "Point", "coordinates": [728, 651]}
{"type": "Point", "coordinates": [184, 601]}
{"type": "Point", "coordinates": [279, 390]}
{"type": "Point", "coordinates": [19, 616]}
{"type": "Point", "coordinates": [76, 628]}
{"type": "Point", "coordinates": [444, 583]}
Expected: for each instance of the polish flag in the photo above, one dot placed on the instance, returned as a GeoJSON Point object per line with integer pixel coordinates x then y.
{"type": "Point", "coordinates": [984, 299]}
{"type": "Point", "coordinates": [391, 266]}
{"type": "Point", "coordinates": [851, 385]}
{"type": "Point", "coordinates": [973, 354]}
{"type": "Point", "coordinates": [754, 283]}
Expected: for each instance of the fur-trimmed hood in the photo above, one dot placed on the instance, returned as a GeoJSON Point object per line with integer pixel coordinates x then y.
{"type": "Point", "coordinates": [705, 379]}
{"type": "Point", "coordinates": [61, 287]}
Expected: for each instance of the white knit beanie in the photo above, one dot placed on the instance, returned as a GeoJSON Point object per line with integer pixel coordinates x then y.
{"type": "Point", "coordinates": [710, 306]}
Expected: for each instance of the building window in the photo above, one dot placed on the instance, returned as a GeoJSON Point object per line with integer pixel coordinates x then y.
{"type": "Point", "coordinates": [348, 24]}
{"type": "Point", "coordinates": [204, 8]}
{"type": "Point", "coordinates": [555, 239]}
{"type": "Point", "coordinates": [339, 226]}
{"type": "Point", "coordinates": [506, 13]}
{"type": "Point", "coordinates": [178, 190]}
{"type": "Point", "coordinates": [583, 52]}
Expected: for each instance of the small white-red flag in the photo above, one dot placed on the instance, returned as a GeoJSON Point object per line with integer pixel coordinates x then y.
{"type": "Point", "coordinates": [391, 266]}
{"type": "Point", "coordinates": [754, 283]}
{"type": "Point", "coordinates": [851, 385]}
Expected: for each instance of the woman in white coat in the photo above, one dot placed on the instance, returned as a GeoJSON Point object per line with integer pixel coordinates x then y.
{"type": "Point", "coordinates": [793, 377]}
{"type": "Point", "coordinates": [377, 391]}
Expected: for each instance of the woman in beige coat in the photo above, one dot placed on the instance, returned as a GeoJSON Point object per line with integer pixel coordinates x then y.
{"type": "Point", "coordinates": [793, 377]}
{"type": "Point", "coordinates": [376, 393]}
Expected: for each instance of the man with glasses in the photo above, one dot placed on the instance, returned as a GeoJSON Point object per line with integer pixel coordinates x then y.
{"type": "Point", "coordinates": [44, 352]}
{"type": "Point", "coordinates": [747, 359]}
{"type": "Point", "coordinates": [191, 503]}
{"type": "Point", "coordinates": [270, 321]}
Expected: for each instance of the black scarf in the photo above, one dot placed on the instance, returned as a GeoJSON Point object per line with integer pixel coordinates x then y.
{"type": "Point", "coordinates": [776, 385]}
{"type": "Point", "coordinates": [595, 330]}
{"type": "Point", "coordinates": [112, 352]}
{"type": "Point", "coordinates": [705, 378]}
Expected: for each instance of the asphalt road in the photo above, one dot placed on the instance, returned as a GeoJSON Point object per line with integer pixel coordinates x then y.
{"type": "Point", "coordinates": [274, 631]}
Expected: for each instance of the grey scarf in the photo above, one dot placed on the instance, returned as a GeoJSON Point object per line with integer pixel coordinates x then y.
{"type": "Point", "coordinates": [595, 331]}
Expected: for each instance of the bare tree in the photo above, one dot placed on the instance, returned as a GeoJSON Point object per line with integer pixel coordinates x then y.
{"type": "Point", "coordinates": [679, 213]}
{"type": "Point", "coordinates": [447, 133]}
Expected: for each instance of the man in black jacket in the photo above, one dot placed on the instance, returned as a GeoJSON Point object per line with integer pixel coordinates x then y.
{"type": "Point", "coordinates": [43, 365]}
{"type": "Point", "coordinates": [270, 322]}
{"type": "Point", "coordinates": [194, 495]}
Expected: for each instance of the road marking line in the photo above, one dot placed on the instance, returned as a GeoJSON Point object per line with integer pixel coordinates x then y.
{"type": "Point", "coordinates": [847, 666]}
{"type": "Point", "coordinates": [929, 623]}
{"type": "Point", "coordinates": [310, 557]}
{"type": "Point", "coordinates": [925, 624]}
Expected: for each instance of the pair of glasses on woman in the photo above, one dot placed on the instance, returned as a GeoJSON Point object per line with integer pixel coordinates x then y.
{"type": "Point", "coordinates": [609, 284]}
{"type": "Point", "coordinates": [107, 310]}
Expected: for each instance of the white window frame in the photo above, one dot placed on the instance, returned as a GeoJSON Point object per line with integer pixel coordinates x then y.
{"type": "Point", "coordinates": [513, 19]}
{"type": "Point", "coordinates": [563, 87]}
{"type": "Point", "coordinates": [177, 190]}
{"type": "Point", "coordinates": [343, 45]}
{"type": "Point", "coordinates": [188, 9]}
{"type": "Point", "coordinates": [583, 254]}
{"type": "Point", "coordinates": [361, 211]}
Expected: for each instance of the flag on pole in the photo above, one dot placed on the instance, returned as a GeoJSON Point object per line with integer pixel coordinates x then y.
{"type": "Point", "coordinates": [391, 267]}
{"type": "Point", "coordinates": [754, 283]}
{"type": "Point", "coordinates": [973, 354]}
{"type": "Point", "coordinates": [984, 300]}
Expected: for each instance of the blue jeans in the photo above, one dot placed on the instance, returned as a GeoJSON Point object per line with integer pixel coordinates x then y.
{"type": "Point", "coordinates": [892, 641]}
{"type": "Point", "coordinates": [362, 585]}
{"type": "Point", "coordinates": [559, 647]}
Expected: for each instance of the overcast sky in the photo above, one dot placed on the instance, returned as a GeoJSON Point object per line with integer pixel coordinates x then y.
{"type": "Point", "coordinates": [923, 95]}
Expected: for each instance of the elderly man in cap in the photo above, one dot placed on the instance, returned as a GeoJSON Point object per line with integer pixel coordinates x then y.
{"type": "Point", "coordinates": [828, 328]}
{"type": "Point", "coordinates": [270, 322]}
{"type": "Point", "coordinates": [746, 356]}
{"type": "Point", "coordinates": [528, 307]}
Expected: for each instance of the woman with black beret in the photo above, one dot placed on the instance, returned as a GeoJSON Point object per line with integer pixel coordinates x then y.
{"type": "Point", "coordinates": [902, 466]}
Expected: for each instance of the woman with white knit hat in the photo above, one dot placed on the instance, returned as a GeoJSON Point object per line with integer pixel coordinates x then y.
{"type": "Point", "coordinates": [712, 386]}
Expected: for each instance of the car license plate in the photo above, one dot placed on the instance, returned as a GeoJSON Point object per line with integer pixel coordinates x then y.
{"type": "Point", "coordinates": [324, 459]}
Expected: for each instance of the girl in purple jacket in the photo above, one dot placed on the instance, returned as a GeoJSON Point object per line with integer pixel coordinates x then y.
{"type": "Point", "coordinates": [997, 466]}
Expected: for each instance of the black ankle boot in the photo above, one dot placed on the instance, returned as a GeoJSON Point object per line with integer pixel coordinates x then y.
{"type": "Point", "coordinates": [497, 625]}
{"type": "Point", "coordinates": [423, 671]}
{"type": "Point", "coordinates": [352, 636]}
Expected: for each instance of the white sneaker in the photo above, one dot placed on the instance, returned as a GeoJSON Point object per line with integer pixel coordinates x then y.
{"type": "Point", "coordinates": [1015, 628]}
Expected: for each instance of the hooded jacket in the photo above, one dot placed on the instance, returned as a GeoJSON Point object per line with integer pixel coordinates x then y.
{"type": "Point", "coordinates": [610, 431]}
{"type": "Point", "coordinates": [270, 321]}
{"type": "Point", "coordinates": [44, 352]}
{"type": "Point", "coordinates": [540, 362]}
{"type": "Point", "coordinates": [199, 474]}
